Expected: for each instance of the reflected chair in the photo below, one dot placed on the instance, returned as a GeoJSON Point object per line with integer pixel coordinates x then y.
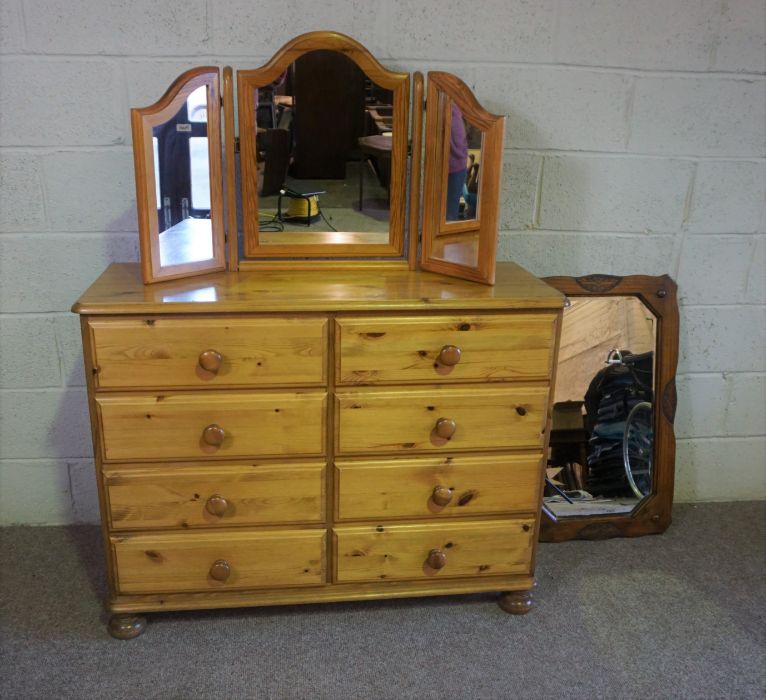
{"type": "Point", "coordinates": [379, 148]}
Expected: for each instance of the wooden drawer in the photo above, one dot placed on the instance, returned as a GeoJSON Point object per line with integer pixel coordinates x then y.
{"type": "Point", "coordinates": [190, 561]}
{"type": "Point", "coordinates": [214, 496]}
{"type": "Point", "coordinates": [396, 552]}
{"type": "Point", "coordinates": [403, 420]}
{"type": "Point", "coordinates": [181, 426]}
{"type": "Point", "coordinates": [159, 353]}
{"type": "Point", "coordinates": [375, 350]}
{"type": "Point", "coordinates": [438, 487]}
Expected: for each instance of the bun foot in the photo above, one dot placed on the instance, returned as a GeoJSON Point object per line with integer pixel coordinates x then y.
{"type": "Point", "coordinates": [516, 602]}
{"type": "Point", "coordinates": [126, 626]}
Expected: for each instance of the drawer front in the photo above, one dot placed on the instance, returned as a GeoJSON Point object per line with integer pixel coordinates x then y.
{"type": "Point", "coordinates": [402, 552]}
{"type": "Point", "coordinates": [191, 561]}
{"type": "Point", "coordinates": [438, 487]}
{"type": "Point", "coordinates": [445, 348]}
{"type": "Point", "coordinates": [215, 496]}
{"type": "Point", "coordinates": [483, 417]}
{"type": "Point", "coordinates": [189, 352]}
{"type": "Point", "coordinates": [188, 426]}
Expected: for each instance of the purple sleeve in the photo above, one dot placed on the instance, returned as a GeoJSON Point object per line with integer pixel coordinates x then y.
{"type": "Point", "coordinates": [458, 144]}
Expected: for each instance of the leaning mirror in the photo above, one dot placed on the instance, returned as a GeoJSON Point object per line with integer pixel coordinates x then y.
{"type": "Point", "coordinates": [464, 148]}
{"type": "Point", "coordinates": [611, 445]}
{"type": "Point", "coordinates": [323, 132]}
{"type": "Point", "coordinates": [177, 152]}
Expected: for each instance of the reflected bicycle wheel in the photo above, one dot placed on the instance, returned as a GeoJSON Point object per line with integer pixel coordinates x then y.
{"type": "Point", "coordinates": [638, 449]}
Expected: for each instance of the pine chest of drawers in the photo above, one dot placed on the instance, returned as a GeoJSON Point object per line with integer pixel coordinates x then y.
{"type": "Point", "coordinates": [271, 437]}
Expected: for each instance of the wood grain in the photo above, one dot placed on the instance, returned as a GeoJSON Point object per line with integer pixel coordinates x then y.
{"type": "Point", "coordinates": [165, 352]}
{"type": "Point", "coordinates": [405, 349]}
{"type": "Point", "coordinates": [157, 479]}
{"type": "Point", "coordinates": [119, 290]}
{"type": "Point", "coordinates": [328, 593]}
{"type": "Point", "coordinates": [232, 233]}
{"type": "Point", "coordinates": [416, 163]}
{"type": "Point", "coordinates": [160, 496]}
{"type": "Point", "coordinates": [170, 426]}
{"type": "Point", "coordinates": [399, 421]}
{"type": "Point", "coordinates": [399, 552]}
{"type": "Point", "coordinates": [404, 488]}
{"type": "Point", "coordinates": [181, 561]}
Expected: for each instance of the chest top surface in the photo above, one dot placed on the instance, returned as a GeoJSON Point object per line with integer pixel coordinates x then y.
{"type": "Point", "coordinates": [119, 290]}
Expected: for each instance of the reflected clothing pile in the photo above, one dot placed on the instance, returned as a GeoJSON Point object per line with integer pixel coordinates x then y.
{"type": "Point", "coordinates": [611, 395]}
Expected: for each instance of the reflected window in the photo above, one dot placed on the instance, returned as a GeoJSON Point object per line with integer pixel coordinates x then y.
{"type": "Point", "coordinates": [199, 167]}
{"type": "Point", "coordinates": [196, 105]}
{"type": "Point", "coordinates": [156, 150]}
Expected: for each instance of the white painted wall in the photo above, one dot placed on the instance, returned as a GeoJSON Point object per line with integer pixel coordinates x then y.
{"type": "Point", "coordinates": [635, 144]}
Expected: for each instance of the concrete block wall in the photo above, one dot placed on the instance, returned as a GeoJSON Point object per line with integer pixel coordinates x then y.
{"type": "Point", "coordinates": [635, 144]}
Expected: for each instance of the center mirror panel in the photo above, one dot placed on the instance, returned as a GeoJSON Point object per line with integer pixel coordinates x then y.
{"type": "Point", "coordinates": [323, 141]}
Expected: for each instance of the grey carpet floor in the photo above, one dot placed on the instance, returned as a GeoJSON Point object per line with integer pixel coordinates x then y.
{"type": "Point", "coordinates": [675, 616]}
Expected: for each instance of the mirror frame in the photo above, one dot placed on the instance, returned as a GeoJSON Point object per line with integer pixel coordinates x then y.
{"type": "Point", "coordinates": [485, 226]}
{"type": "Point", "coordinates": [250, 80]}
{"type": "Point", "coordinates": [653, 514]}
{"type": "Point", "coordinates": [143, 120]}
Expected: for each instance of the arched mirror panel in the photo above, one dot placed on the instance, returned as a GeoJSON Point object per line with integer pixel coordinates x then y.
{"type": "Point", "coordinates": [323, 131]}
{"type": "Point", "coordinates": [177, 152]}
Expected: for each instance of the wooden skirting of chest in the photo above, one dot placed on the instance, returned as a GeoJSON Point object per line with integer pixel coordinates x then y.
{"type": "Point", "coordinates": [367, 439]}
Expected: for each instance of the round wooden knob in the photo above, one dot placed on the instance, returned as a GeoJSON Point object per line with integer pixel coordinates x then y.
{"type": "Point", "coordinates": [449, 355]}
{"type": "Point", "coordinates": [445, 428]}
{"type": "Point", "coordinates": [437, 559]}
{"type": "Point", "coordinates": [210, 360]}
{"type": "Point", "coordinates": [213, 435]}
{"type": "Point", "coordinates": [220, 570]}
{"type": "Point", "coordinates": [216, 505]}
{"type": "Point", "coordinates": [441, 495]}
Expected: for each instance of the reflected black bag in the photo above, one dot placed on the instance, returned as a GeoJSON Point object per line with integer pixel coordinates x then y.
{"type": "Point", "coordinates": [621, 386]}
{"type": "Point", "coordinates": [611, 395]}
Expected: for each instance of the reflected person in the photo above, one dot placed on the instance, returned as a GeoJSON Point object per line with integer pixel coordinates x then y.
{"type": "Point", "coordinates": [458, 159]}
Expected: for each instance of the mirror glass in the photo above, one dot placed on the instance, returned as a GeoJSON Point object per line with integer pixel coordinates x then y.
{"type": "Point", "coordinates": [323, 152]}
{"type": "Point", "coordinates": [602, 436]}
{"type": "Point", "coordinates": [182, 183]}
{"type": "Point", "coordinates": [323, 131]}
{"type": "Point", "coordinates": [461, 186]}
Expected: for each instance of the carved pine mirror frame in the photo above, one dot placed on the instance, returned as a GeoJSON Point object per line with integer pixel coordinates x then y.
{"type": "Point", "coordinates": [143, 122]}
{"type": "Point", "coordinates": [343, 244]}
{"type": "Point", "coordinates": [652, 515]}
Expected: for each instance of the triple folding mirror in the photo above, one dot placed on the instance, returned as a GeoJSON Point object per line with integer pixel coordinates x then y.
{"type": "Point", "coordinates": [328, 167]}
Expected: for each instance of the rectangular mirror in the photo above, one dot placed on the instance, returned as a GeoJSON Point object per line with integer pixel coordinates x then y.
{"type": "Point", "coordinates": [323, 148]}
{"type": "Point", "coordinates": [611, 450]}
{"type": "Point", "coordinates": [463, 163]}
{"type": "Point", "coordinates": [177, 152]}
